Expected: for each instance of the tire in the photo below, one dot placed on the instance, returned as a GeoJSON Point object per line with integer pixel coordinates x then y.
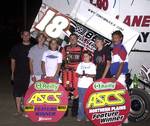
{"type": "Point", "coordinates": [140, 105]}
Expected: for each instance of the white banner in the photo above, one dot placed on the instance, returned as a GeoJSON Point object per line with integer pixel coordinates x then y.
{"type": "Point", "coordinates": [135, 13]}
{"type": "Point", "coordinates": [57, 25]}
{"type": "Point", "coordinates": [95, 19]}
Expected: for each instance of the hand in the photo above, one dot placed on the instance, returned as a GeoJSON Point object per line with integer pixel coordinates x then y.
{"type": "Point", "coordinates": [50, 77]}
{"type": "Point", "coordinates": [80, 76]}
{"type": "Point", "coordinates": [33, 78]}
{"type": "Point", "coordinates": [87, 75]}
{"type": "Point", "coordinates": [113, 79]}
{"type": "Point", "coordinates": [43, 76]}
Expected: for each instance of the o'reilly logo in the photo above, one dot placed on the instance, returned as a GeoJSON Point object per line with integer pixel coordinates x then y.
{"type": "Point", "coordinates": [104, 86]}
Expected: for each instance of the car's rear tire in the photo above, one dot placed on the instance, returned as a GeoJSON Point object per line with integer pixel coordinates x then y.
{"type": "Point", "coordinates": [140, 105]}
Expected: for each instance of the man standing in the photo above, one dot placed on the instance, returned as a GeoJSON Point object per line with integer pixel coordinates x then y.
{"type": "Point", "coordinates": [72, 56]}
{"type": "Point", "coordinates": [20, 72]}
{"type": "Point", "coordinates": [119, 64]}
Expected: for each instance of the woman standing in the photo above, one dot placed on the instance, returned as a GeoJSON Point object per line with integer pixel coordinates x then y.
{"type": "Point", "coordinates": [51, 61]}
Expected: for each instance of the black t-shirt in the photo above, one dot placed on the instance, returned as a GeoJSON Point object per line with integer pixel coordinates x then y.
{"type": "Point", "coordinates": [100, 59]}
{"type": "Point", "coordinates": [20, 54]}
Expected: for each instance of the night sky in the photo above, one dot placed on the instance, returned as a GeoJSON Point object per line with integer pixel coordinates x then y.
{"type": "Point", "coordinates": [12, 21]}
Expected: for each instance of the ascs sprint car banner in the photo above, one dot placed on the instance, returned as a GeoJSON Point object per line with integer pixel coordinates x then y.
{"type": "Point", "coordinates": [57, 25]}
{"type": "Point", "coordinates": [94, 18]}
{"type": "Point", "coordinates": [134, 13]}
{"type": "Point", "coordinates": [86, 20]}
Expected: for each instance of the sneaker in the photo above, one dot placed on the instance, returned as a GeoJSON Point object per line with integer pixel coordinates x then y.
{"type": "Point", "coordinates": [87, 120]}
{"type": "Point", "coordinates": [79, 120]}
{"type": "Point", "coordinates": [25, 115]}
{"type": "Point", "coordinates": [17, 113]}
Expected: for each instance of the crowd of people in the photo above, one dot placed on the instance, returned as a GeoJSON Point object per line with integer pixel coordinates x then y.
{"type": "Point", "coordinates": [75, 66]}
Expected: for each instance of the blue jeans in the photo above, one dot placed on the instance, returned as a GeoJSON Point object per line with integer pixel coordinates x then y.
{"type": "Point", "coordinates": [81, 113]}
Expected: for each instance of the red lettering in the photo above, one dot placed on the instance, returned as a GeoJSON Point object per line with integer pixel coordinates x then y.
{"type": "Point", "coordinates": [127, 20]}
{"type": "Point", "coordinates": [146, 21]}
{"type": "Point", "coordinates": [102, 4]}
{"type": "Point", "coordinates": [137, 21]}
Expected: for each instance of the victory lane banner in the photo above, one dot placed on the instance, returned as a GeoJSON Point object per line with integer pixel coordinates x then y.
{"type": "Point", "coordinates": [107, 103]}
{"type": "Point", "coordinates": [45, 101]}
{"type": "Point", "coordinates": [57, 25]}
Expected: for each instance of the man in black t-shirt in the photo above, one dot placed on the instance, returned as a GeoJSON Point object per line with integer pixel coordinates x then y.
{"type": "Point", "coordinates": [102, 59]}
{"type": "Point", "coordinates": [20, 73]}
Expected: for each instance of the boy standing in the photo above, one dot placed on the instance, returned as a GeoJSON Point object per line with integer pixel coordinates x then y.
{"type": "Point", "coordinates": [102, 59]}
{"type": "Point", "coordinates": [86, 71]}
{"type": "Point", "coordinates": [35, 57]}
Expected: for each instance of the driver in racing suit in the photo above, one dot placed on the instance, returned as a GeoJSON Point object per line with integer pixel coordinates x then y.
{"type": "Point", "coordinates": [72, 56]}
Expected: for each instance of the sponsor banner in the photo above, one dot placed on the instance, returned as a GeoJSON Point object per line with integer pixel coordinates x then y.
{"type": "Point", "coordinates": [86, 36]}
{"type": "Point", "coordinates": [134, 13]}
{"type": "Point", "coordinates": [57, 25]}
{"type": "Point", "coordinates": [111, 7]}
{"type": "Point", "coordinates": [137, 16]}
{"type": "Point", "coordinates": [93, 18]}
{"type": "Point", "coordinates": [107, 103]}
{"type": "Point", "coordinates": [88, 22]}
{"type": "Point", "coordinates": [51, 22]}
{"type": "Point", "coordinates": [45, 101]}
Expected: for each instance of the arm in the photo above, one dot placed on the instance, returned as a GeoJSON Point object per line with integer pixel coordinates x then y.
{"type": "Point", "coordinates": [106, 69]}
{"type": "Point", "coordinates": [122, 54]}
{"type": "Point", "coordinates": [13, 65]}
{"type": "Point", "coordinates": [118, 72]}
{"type": "Point", "coordinates": [58, 69]}
{"type": "Point", "coordinates": [31, 70]}
{"type": "Point", "coordinates": [92, 72]}
{"type": "Point", "coordinates": [94, 59]}
{"type": "Point", "coordinates": [60, 58]}
{"type": "Point", "coordinates": [80, 75]}
{"type": "Point", "coordinates": [43, 67]}
{"type": "Point", "coordinates": [87, 75]}
{"type": "Point", "coordinates": [31, 66]}
{"type": "Point", "coordinates": [63, 52]}
{"type": "Point", "coordinates": [90, 75]}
